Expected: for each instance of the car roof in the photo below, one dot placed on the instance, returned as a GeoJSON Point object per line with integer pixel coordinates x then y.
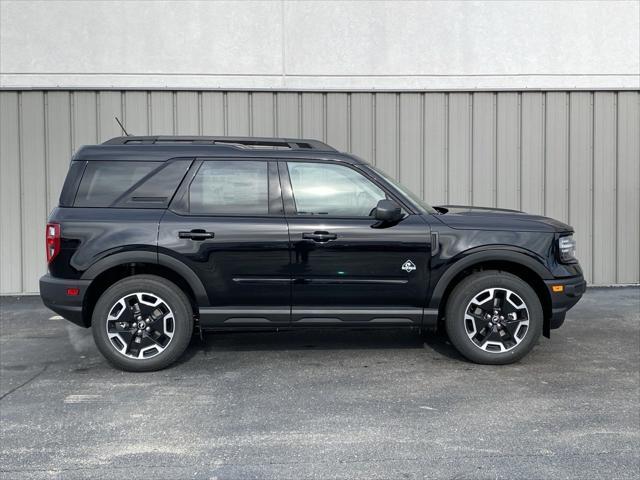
{"type": "Point", "coordinates": [160, 148]}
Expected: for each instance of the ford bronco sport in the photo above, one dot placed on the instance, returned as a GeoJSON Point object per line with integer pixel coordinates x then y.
{"type": "Point", "coordinates": [157, 236]}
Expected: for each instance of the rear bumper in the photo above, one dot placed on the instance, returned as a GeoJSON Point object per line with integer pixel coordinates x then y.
{"type": "Point", "coordinates": [572, 290]}
{"type": "Point", "coordinates": [53, 292]}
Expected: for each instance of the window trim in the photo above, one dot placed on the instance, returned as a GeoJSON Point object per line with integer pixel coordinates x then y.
{"type": "Point", "coordinates": [290, 208]}
{"type": "Point", "coordinates": [180, 203]}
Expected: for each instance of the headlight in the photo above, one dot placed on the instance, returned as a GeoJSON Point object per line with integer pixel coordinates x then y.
{"type": "Point", "coordinates": [567, 249]}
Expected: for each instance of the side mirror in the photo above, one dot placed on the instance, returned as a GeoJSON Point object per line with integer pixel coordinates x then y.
{"type": "Point", "coordinates": [388, 211]}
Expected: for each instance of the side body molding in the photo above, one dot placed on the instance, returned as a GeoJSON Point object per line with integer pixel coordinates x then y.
{"type": "Point", "coordinates": [524, 258]}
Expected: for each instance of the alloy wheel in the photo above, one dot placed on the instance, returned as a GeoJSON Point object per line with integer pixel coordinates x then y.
{"type": "Point", "coordinates": [140, 325]}
{"type": "Point", "coordinates": [496, 320]}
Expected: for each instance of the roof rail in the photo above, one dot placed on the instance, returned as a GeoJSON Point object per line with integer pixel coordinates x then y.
{"type": "Point", "coordinates": [250, 142]}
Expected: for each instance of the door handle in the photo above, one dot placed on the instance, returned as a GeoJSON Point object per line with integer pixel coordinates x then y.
{"type": "Point", "coordinates": [196, 234]}
{"type": "Point", "coordinates": [320, 237]}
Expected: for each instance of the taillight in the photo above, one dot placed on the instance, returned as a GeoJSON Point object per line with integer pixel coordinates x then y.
{"type": "Point", "coordinates": [53, 241]}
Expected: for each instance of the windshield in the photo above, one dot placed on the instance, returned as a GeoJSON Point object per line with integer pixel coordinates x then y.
{"type": "Point", "coordinates": [421, 205]}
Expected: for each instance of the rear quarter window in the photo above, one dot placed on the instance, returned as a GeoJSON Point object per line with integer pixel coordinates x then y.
{"type": "Point", "coordinates": [130, 184]}
{"type": "Point", "coordinates": [104, 182]}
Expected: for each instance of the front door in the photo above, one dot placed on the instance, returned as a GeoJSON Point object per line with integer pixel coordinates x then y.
{"type": "Point", "coordinates": [227, 225]}
{"type": "Point", "coordinates": [346, 268]}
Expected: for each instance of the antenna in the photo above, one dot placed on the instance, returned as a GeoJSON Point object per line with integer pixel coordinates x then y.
{"type": "Point", "coordinates": [122, 127]}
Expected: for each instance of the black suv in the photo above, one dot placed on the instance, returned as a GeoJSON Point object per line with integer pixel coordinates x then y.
{"type": "Point", "coordinates": [157, 236]}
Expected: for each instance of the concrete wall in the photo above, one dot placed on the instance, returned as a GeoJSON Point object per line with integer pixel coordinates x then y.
{"type": "Point", "coordinates": [574, 156]}
{"type": "Point", "coordinates": [320, 45]}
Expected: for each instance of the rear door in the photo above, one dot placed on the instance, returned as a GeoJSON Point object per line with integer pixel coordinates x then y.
{"type": "Point", "coordinates": [347, 269]}
{"type": "Point", "coordinates": [226, 223]}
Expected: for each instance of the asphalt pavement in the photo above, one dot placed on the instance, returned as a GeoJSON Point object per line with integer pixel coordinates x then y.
{"type": "Point", "coordinates": [324, 404]}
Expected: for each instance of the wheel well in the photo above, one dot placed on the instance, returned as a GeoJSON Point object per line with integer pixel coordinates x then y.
{"type": "Point", "coordinates": [519, 270]}
{"type": "Point", "coordinates": [112, 275]}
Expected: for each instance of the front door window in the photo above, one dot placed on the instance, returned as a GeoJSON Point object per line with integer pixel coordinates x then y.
{"type": "Point", "coordinates": [332, 190]}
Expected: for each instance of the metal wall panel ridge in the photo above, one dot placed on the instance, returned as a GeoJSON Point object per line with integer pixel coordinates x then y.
{"type": "Point", "coordinates": [571, 155]}
{"type": "Point", "coordinates": [10, 195]}
{"type": "Point", "coordinates": [532, 152]}
{"type": "Point", "coordinates": [581, 173]}
{"type": "Point", "coordinates": [628, 191]}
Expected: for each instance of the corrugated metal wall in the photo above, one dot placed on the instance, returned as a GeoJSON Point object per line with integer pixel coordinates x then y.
{"type": "Point", "coordinates": [574, 156]}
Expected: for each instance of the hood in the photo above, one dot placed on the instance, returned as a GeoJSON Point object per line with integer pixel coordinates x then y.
{"type": "Point", "coordinates": [486, 218]}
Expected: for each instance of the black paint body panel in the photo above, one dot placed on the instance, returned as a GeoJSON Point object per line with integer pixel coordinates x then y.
{"type": "Point", "coordinates": [91, 235]}
{"type": "Point", "coordinates": [361, 268]}
{"type": "Point", "coordinates": [246, 263]}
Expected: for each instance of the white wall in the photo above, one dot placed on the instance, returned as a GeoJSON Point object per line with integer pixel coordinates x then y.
{"type": "Point", "coordinates": [320, 45]}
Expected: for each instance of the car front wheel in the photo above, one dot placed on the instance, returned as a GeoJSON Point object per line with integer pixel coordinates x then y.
{"type": "Point", "coordinates": [493, 317]}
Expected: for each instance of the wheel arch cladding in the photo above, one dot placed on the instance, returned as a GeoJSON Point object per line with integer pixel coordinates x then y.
{"type": "Point", "coordinates": [189, 284]}
{"type": "Point", "coordinates": [514, 263]}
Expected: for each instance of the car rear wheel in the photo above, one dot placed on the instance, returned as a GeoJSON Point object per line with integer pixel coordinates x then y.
{"type": "Point", "coordinates": [493, 317]}
{"type": "Point", "coordinates": [142, 323]}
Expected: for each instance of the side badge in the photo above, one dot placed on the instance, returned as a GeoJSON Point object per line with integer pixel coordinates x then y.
{"type": "Point", "coordinates": [408, 266]}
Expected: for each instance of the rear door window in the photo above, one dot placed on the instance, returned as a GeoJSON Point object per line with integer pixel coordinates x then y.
{"type": "Point", "coordinates": [230, 188]}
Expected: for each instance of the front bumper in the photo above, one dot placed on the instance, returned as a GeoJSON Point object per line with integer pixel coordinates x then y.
{"type": "Point", "coordinates": [53, 292]}
{"type": "Point", "coordinates": [561, 301]}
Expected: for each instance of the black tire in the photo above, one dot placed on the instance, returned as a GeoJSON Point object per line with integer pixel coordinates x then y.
{"type": "Point", "coordinates": [181, 325]}
{"type": "Point", "coordinates": [458, 330]}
